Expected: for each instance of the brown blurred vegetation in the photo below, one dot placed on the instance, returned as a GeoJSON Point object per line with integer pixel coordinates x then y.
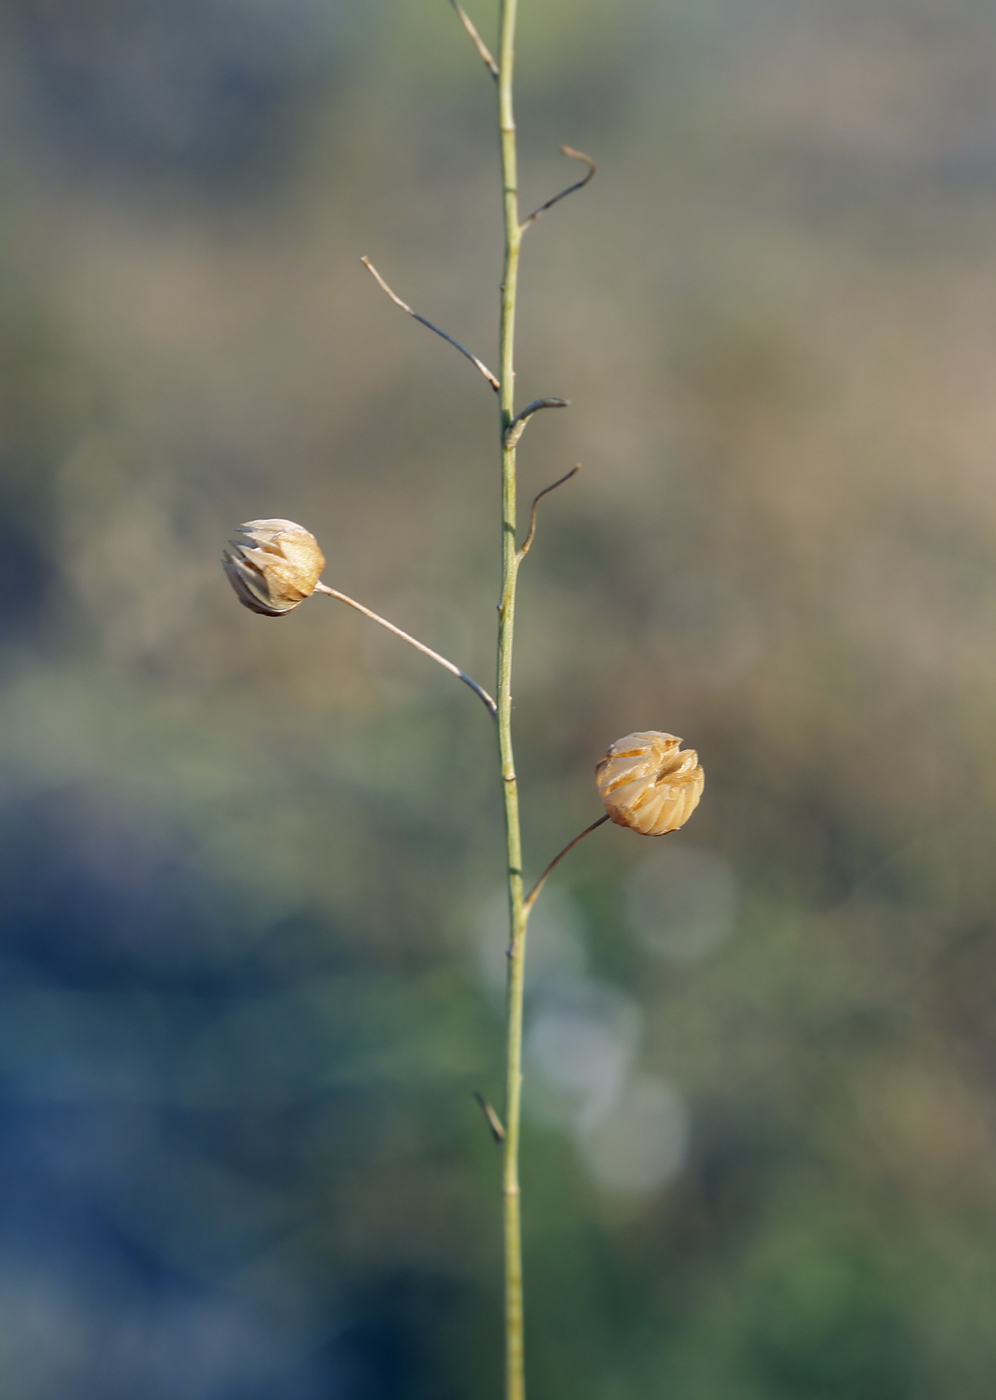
{"type": "Point", "coordinates": [244, 860]}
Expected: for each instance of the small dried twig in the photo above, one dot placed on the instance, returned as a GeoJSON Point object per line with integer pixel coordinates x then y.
{"type": "Point", "coordinates": [517, 426]}
{"type": "Point", "coordinates": [530, 898]}
{"type": "Point", "coordinates": [476, 39]}
{"type": "Point", "coordinates": [527, 542]}
{"type": "Point", "coordinates": [478, 690]}
{"type": "Point", "coordinates": [574, 155]}
{"type": "Point", "coordinates": [495, 384]}
{"type": "Point", "coordinates": [494, 1122]}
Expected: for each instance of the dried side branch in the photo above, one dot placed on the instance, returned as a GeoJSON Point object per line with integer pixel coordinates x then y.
{"type": "Point", "coordinates": [527, 542]}
{"type": "Point", "coordinates": [478, 690]}
{"type": "Point", "coordinates": [494, 1122]}
{"type": "Point", "coordinates": [495, 384]}
{"type": "Point", "coordinates": [574, 155]}
{"type": "Point", "coordinates": [517, 426]}
{"type": "Point", "coordinates": [476, 40]}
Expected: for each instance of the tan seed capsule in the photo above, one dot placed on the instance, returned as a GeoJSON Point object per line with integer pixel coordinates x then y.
{"type": "Point", "coordinates": [649, 782]}
{"type": "Point", "coordinates": [273, 565]}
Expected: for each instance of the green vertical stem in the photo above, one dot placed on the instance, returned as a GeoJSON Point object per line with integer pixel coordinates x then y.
{"type": "Point", "coordinates": [515, 1385]}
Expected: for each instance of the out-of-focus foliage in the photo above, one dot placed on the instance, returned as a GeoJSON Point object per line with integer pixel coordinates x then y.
{"type": "Point", "coordinates": [251, 946]}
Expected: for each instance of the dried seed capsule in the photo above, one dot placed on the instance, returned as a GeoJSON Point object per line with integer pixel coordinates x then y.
{"type": "Point", "coordinates": [649, 782]}
{"type": "Point", "coordinates": [273, 565]}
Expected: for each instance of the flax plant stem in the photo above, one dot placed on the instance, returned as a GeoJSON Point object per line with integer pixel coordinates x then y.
{"type": "Point", "coordinates": [515, 1385]}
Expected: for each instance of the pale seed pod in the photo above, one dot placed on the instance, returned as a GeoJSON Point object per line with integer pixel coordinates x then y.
{"type": "Point", "coordinates": [649, 782]}
{"type": "Point", "coordinates": [273, 565]}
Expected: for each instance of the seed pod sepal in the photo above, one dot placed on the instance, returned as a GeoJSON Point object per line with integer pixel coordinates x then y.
{"type": "Point", "coordinates": [273, 565]}
{"type": "Point", "coordinates": [649, 783]}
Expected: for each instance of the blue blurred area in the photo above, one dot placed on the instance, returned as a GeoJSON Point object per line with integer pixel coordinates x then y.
{"type": "Point", "coordinates": [202, 90]}
{"type": "Point", "coordinates": [175, 1109]}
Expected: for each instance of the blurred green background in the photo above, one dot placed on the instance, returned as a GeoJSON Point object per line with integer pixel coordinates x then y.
{"type": "Point", "coordinates": [252, 944]}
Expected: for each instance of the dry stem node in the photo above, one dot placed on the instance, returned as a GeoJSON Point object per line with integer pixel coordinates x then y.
{"type": "Point", "coordinates": [649, 783]}
{"type": "Point", "coordinates": [494, 1122]}
{"type": "Point", "coordinates": [517, 426]}
{"type": "Point", "coordinates": [574, 155]}
{"type": "Point", "coordinates": [495, 384]}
